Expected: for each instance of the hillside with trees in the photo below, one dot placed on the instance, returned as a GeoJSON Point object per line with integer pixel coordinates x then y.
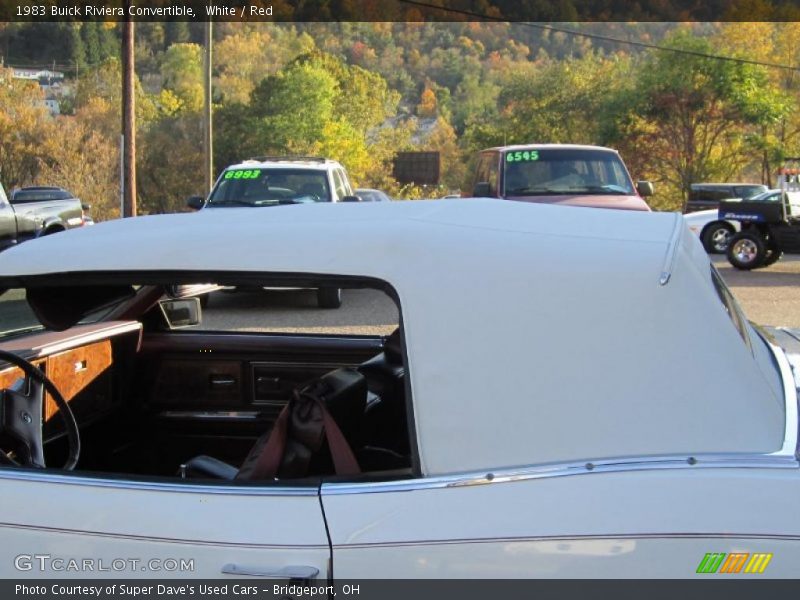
{"type": "Point", "coordinates": [360, 92]}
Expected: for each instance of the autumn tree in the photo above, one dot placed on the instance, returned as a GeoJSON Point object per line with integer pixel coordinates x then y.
{"type": "Point", "coordinates": [101, 88]}
{"type": "Point", "coordinates": [690, 114]}
{"type": "Point", "coordinates": [775, 134]}
{"type": "Point", "coordinates": [443, 139]}
{"type": "Point", "coordinates": [27, 132]}
{"type": "Point", "coordinates": [86, 163]}
{"type": "Point", "coordinates": [427, 103]}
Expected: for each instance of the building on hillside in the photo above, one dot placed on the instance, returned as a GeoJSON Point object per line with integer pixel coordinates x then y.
{"type": "Point", "coordinates": [51, 82]}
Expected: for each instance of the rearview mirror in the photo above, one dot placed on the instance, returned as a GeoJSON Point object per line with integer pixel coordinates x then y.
{"type": "Point", "coordinates": [351, 199]}
{"type": "Point", "coordinates": [195, 202]}
{"type": "Point", "coordinates": [645, 188]}
{"type": "Point", "coordinates": [181, 313]}
{"type": "Point", "coordinates": [481, 189]}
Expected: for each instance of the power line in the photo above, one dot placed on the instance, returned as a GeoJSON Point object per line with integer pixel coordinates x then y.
{"type": "Point", "coordinates": [605, 38]}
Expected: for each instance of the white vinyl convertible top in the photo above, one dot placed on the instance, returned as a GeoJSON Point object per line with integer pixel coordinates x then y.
{"type": "Point", "coordinates": [534, 333]}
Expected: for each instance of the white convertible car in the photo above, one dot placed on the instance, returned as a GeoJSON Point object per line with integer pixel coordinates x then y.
{"type": "Point", "coordinates": [545, 408]}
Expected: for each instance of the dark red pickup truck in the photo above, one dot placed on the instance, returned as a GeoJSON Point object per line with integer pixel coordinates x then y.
{"type": "Point", "coordinates": [565, 174]}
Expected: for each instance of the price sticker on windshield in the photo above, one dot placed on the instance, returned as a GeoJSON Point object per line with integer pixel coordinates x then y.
{"type": "Point", "coordinates": [522, 156]}
{"type": "Point", "coordinates": [242, 174]}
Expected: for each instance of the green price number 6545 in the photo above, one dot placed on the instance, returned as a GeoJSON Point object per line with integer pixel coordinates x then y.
{"type": "Point", "coordinates": [523, 155]}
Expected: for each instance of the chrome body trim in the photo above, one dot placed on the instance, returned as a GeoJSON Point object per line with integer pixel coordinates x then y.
{"type": "Point", "coordinates": [784, 458]}
{"type": "Point", "coordinates": [612, 465]}
{"type": "Point", "coordinates": [211, 415]}
{"type": "Point", "coordinates": [789, 378]}
{"type": "Point", "coordinates": [89, 338]}
{"type": "Point", "coordinates": [303, 573]}
{"type": "Point", "coordinates": [180, 486]}
{"type": "Point", "coordinates": [572, 538]}
{"type": "Point", "coordinates": [156, 539]}
{"type": "Point", "coordinates": [77, 341]}
{"type": "Point", "coordinates": [672, 250]}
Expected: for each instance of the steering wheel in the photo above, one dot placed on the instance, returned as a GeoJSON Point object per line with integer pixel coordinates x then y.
{"type": "Point", "coordinates": [21, 416]}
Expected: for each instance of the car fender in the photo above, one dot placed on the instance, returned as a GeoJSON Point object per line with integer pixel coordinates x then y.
{"type": "Point", "coordinates": [735, 225]}
{"type": "Point", "coordinates": [52, 225]}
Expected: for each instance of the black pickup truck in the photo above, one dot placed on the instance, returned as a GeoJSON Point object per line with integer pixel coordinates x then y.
{"type": "Point", "coordinates": [36, 211]}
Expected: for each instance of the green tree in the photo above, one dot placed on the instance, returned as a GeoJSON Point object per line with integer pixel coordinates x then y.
{"type": "Point", "coordinates": [176, 32]}
{"type": "Point", "coordinates": [182, 70]}
{"type": "Point", "coordinates": [363, 99]}
{"type": "Point", "coordinates": [91, 42]}
{"type": "Point", "coordinates": [169, 168]}
{"type": "Point", "coordinates": [316, 104]}
{"type": "Point", "coordinates": [238, 135]}
{"type": "Point", "coordinates": [295, 105]}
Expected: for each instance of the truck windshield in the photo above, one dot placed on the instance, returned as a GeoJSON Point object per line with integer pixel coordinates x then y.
{"type": "Point", "coordinates": [267, 187]}
{"type": "Point", "coordinates": [39, 195]}
{"type": "Point", "coordinates": [564, 171]}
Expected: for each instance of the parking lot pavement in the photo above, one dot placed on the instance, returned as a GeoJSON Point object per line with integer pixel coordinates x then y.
{"type": "Point", "coordinates": [367, 312]}
{"type": "Point", "coordinates": [768, 296]}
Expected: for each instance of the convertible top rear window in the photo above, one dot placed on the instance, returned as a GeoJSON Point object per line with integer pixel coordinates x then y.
{"type": "Point", "coordinates": [208, 370]}
{"type": "Point", "coordinates": [731, 307]}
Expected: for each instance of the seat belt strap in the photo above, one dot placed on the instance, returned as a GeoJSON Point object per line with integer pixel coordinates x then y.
{"type": "Point", "coordinates": [344, 461]}
{"type": "Point", "coordinates": [269, 458]}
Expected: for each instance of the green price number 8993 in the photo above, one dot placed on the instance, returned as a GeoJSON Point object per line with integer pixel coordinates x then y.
{"type": "Point", "coordinates": [242, 174]}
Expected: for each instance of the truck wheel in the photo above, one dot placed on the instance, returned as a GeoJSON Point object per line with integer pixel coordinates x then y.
{"type": "Point", "coordinates": [773, 256]}
{"type": "Point", "coordinates": [716, 237]}
{"type": "Point", "coordinates": [329, 297]}
{"type": "Point", "coordinates": [747, 250]}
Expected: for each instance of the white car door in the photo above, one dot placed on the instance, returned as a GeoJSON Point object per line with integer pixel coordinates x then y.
{"type": "Point", "coordinates": [550, 523]}
{"type": "Point", "coordinates": [63, 525]}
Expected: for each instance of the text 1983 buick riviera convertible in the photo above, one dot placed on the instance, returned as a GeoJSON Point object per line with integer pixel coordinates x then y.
{"type": "Point", "coordinates": [545, 408]}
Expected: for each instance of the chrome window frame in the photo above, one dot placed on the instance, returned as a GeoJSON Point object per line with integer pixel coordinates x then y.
{"type": "Point", "coordinates": [784, 458]}
{"type": "Point", "coordinates": [264, 489]}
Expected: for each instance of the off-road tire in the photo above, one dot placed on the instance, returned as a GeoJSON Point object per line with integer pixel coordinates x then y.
{"type": "Point", "coordinates": [747, 250]}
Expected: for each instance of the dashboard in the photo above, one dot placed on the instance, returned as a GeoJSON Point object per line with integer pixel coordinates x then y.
{"type": "Point", "coordinates": [85, 363]}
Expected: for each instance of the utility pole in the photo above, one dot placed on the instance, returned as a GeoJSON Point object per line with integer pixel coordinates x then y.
{"type": "Point", "coordinates": [128, 122]}
{"type": "Point", "coordinates": [208, 137]}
